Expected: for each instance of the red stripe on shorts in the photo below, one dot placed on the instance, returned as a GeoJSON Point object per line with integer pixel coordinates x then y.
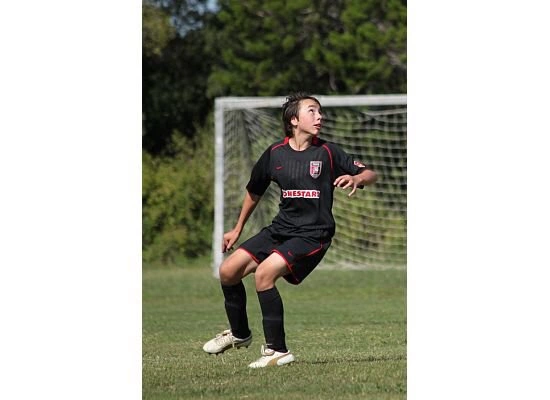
{"type": "Point", "coordinates": [288, 265]}
{"type": "Point", "coordinates": [251, 255]}
{"type": "Point", "coordinates": [312, 252]}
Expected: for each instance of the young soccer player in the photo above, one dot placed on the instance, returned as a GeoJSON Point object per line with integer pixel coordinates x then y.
{"type": "Point", "coordinates": [307, 169]}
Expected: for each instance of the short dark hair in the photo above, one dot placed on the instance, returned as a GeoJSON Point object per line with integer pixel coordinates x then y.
{"type": "Point", "coordinates": [291, 108]}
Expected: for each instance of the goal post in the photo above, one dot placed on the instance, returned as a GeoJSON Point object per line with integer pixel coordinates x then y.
{"type": "Point", "coordinates": [371, 226]}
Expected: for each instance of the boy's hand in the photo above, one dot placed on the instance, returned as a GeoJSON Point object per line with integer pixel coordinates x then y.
{"type": "Point", "coordinates": [346, 181]}
{"type": "Point", "coordinates": [229, 239]}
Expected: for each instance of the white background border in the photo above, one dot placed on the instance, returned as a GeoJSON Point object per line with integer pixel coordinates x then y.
{"type": "Point", "coordinates": [478, 201]}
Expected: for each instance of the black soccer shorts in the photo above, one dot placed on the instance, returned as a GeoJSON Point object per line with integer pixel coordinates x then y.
{"type": "Point", "coordinates": [301, 254]}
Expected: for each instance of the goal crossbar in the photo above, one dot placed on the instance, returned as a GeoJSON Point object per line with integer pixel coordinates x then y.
{"type": "Point", "coordinates": [234, 103]}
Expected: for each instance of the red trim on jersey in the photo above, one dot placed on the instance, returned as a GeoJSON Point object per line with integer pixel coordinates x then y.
{"type": "Point", "coordinates": [251, 255]}
{"type": "Point", "coordinates": [315, 141]}
{"type": "Point", "coordinates": [281, 144]}
{"type": "Point", "coordinates": [288, 265]}
{"type": "Point", "coordinates": [329, 156]}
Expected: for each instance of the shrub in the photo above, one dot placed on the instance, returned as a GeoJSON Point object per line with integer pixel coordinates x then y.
{"type": "Point", "coordinates": [177, 200]}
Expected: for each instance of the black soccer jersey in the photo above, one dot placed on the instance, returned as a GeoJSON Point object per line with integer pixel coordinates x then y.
{"type": "Point", "coordinates": [306, 182]}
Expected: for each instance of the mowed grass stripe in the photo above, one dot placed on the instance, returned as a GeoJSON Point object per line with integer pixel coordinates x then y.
{"type": "Point", "coordinates": [347, 330]}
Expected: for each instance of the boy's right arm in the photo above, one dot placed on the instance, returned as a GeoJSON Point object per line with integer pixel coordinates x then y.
{"type": "Point", "coordinates": [258, 183]}
{"type": "Point", "coordinates": [249, 204]}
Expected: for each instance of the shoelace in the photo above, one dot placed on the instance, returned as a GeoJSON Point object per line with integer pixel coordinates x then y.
{"type": "Point", "coordinates": [225, 338]}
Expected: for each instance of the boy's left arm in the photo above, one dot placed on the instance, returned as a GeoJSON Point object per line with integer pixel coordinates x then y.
{"type": "Point", "coordinates": [365, 177]}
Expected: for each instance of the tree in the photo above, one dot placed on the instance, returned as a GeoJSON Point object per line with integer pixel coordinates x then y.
{"type": "Point", "coordinates": [272, 47]}
{"type": "Point", "coordinates": [177, 200]}
{"type": "Point", "coordinates": [369, 53]}
{"type": "Point", "coordinates": [177, 206]}
{"type": "Point", "coordinates": [176, 64]}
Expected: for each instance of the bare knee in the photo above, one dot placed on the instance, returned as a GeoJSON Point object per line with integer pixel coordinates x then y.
{"type": "Point", "coordinates": [228, 275]}
{"type": "Point", "coordinates": [264, 278]}
{"type": "Point", "coordinates": [271, 269]}
{"type": "Point", "coordinates": [235, 268]}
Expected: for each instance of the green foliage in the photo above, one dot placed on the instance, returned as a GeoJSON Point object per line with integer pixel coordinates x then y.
{"type": "Point", "coordinates": [175, 73]}
{"type": "Point", "coordinates": [177, 200]}
{"type": "Point", "coordinates": [185, 15]}
{"type": "Point", "coordinates": [328, 47]}
{"type": "Point", "coordinates": [369, 52]}
{"type": "Point", "coordinates": [156, 30]}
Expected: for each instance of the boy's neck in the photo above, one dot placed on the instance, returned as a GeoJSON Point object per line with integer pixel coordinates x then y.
{"type": "Point", "coordinates": [300, 142]}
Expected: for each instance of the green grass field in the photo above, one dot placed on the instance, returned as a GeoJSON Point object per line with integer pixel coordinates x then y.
{"type": "Point", "coordinates": [347, 330]}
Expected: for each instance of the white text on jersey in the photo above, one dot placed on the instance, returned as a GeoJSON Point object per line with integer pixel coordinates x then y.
{"type": "Point", "coordinates": [313, 194]}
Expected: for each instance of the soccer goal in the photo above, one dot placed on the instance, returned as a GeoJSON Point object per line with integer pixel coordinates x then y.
{"type": "Point", "coordinates": [371, 226]}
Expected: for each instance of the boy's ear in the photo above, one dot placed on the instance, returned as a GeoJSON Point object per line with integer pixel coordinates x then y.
{"type": "Point", "coordinates": [294, 121]}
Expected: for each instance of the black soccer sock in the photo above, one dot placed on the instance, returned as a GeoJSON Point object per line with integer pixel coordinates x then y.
{"type": "Point", "coordinates": [235, 307]}
{"type": "Point", "coordinates": [273, 319]}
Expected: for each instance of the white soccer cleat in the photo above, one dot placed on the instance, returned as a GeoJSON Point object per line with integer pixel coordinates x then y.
{"type": "Point", "coordinates": [224, 341]}
{"type": "Point", "coordinates": [272, 358]}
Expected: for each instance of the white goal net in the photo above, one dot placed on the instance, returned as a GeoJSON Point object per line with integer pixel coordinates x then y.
{"type": "Point", "coordinates": [371, 225]}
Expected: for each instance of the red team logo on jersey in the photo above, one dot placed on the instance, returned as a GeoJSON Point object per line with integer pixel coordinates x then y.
{"type": "Point", "coordinates": [315, 168]}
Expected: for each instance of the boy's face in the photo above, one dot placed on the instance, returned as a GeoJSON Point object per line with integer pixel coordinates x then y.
{"type": "Point", "coordinates": [309, 119]}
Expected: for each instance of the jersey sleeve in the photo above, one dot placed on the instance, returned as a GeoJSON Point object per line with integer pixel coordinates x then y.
{"type": "Point", "coordinates": [344, 164]}
{"type": "Point", "coordinates": [260, 177]}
